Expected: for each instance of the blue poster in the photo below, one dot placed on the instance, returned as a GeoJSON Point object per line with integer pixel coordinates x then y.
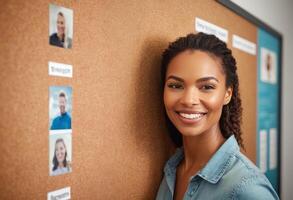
{"type": "Point", "coordinates": [268, 127]}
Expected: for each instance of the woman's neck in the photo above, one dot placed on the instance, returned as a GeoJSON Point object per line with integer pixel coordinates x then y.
{"type": "Point", "coordinates": [60, 165]}
{"type": "Point", "coordinates": [199, 149]}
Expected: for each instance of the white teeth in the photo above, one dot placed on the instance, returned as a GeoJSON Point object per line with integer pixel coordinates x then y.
{"type": "Point", "coordinates": [191, 116]}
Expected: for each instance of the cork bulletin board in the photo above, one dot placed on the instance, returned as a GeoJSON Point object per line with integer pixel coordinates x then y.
{"type": "Point", "coordinates": [119, 140]}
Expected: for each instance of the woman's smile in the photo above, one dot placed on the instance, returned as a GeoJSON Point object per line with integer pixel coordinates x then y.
{"type": "Point", "coordinates": [190, 117]}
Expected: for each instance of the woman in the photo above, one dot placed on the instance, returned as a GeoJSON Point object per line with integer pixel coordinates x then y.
{"type": "Point", "coordinates": [203, 109]}
{"type": "Point", "coordinates": [60, 163]}
{"type": "Point", "coordinates": [61, 38]}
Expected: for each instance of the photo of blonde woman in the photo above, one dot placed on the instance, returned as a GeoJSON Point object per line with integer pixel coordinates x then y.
{"type": "Point", "coordinates": [61, 27]}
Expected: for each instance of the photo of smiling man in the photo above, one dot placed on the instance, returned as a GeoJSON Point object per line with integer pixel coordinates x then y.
{"type": "Point", "coordinates": [60, 107]}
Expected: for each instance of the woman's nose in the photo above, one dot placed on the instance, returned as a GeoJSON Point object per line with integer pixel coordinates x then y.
{"type": "Point", "coordinates": [190, 97]}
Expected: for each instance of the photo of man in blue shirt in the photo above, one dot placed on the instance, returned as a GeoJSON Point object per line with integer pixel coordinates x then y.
{"type": "Point", "coordinates": [63, 121]}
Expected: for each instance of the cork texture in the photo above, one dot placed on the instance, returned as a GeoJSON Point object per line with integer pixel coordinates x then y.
{"type": "Point", "coordinates": [119, 140]}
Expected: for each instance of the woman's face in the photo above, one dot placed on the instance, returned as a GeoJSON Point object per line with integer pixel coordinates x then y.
{"type": "Point", "coordinates": [195, 92]}
{"type": "Point", "coordinates": [60, 151]}
{"type": "Point", "coordinates": [60, 25]}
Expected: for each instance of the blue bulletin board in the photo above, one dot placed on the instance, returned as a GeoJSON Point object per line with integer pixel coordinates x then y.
{"type": "Point", "coordinates": [268, 109]}
{"type": "Point", "coordinates": [269, 96]}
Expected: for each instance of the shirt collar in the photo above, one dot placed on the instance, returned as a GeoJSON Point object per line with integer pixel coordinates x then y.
{"type": "Point", "coordinates": [220, 161]}
{"type": "Point", "coordinates": [170, 168]}
{"type": "Point", "coordinates": [174, 161]}
{"type": "Point", "coordinates": [216, 166]}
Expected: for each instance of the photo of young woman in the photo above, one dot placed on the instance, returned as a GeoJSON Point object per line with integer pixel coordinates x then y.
{"type": "Point", "coordinates": [60, 150]}
{"type": "Point", "coordinates": [61, 26]}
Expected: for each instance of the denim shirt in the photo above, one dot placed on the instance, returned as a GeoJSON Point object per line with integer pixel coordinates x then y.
{"type": "Point", "coordinates": [227, 175]}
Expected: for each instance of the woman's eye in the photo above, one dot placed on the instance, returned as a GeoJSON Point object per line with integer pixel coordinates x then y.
{"type": "Point", "coordinates": [175, 86]}
{"type": "Point", "coordinates": [207, 87]}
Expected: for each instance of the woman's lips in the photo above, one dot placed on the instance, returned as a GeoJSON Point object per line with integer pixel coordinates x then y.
{"type": "Point", "coordinates": [190, 117]}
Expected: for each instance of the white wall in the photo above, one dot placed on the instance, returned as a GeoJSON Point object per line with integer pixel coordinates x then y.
{"type": "Point", "coordinates": [279, 15]}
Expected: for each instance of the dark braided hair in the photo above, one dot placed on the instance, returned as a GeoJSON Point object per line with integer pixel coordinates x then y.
{"type": "Point", "coordinates": [231, 113]}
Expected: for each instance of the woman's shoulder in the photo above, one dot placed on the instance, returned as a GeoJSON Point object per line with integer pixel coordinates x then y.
{"type": "Point", "coordinates": [242, 169]}
{"type": "Point", "coordinates": [246, 164]}
{"type": "Point", "coordinates": [248, 180]}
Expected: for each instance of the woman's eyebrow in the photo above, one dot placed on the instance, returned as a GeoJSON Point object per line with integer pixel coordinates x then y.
{"type": "Point", "coordinates": [198, 80]}
{"type": "Point", "coordinates": [175, 77]}
{"type": "Point", "coordinates": [206, 79]}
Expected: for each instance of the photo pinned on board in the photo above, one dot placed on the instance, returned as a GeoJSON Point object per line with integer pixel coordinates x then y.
{"type": "Point", "coordinates": [60, 26]}
{"type": "Point", "coordinates": [60, 153]}
{"type": "Point", "coordinates": [60, 108]}
{"type": "Point", "coordinates": [268, 72]}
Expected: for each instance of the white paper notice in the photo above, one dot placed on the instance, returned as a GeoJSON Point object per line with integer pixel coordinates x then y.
{"type": "Point", "coordinates": [209, 28]}
{"type": "Point", "coordinates": [59, 69]}
{"type": "Point", "coordinates": [62, 194]}
{"type": "Point", "coordinates": [263, 151]}
{"type": "Point", "coordinates": [244, 45]}
{"type": "Point", "coordinates": [273, 148]}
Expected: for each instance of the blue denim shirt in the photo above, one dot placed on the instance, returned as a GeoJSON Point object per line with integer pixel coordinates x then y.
{"type": "Point", "coordinates": [227, 175]}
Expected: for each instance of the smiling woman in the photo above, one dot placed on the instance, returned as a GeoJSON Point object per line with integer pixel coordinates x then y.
{"type": "Point", "coordinates": [60, 163]}
{"type": "Point", "coordinates": [60, 38]}
{"type": "Point", "coordinates": [60, 33]}
{"type": "Point", "coordinates": [203, 113]}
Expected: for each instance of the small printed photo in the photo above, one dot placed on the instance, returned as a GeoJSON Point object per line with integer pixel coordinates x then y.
{"type": "Point", "coordinates": [60, 26]}
{"type": "Point", "coordinates": [268, 66]}
{"type": "Point", "coordinates": [60, 107]}
{"type": "Point", "coordinates": [60, 153]}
